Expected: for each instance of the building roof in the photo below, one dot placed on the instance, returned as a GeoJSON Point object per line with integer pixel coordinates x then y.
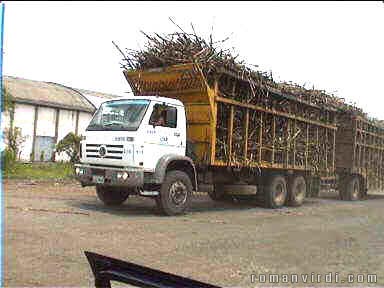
{"type": "Point", "coordinates": [96, 98]}
{"type": "Point", "coordinates": [52, 94]}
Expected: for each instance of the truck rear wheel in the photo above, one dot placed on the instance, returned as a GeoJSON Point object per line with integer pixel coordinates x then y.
{"type": "Point", "coordinates": [297, 191]}
{"type": "Point", "coordinates": [175, 193]}
{"type": "Point", "coordinates": [351, 190]}
{"type": "Point", "coordinates": [112, 196]}
{"type": "Point", "coordinates": [274, 193]}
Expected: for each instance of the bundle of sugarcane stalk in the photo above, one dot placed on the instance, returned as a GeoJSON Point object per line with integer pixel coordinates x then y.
{"type": "Point", "coordinates": [238, 81]}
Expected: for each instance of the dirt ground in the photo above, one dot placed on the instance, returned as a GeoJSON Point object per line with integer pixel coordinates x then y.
{"type": "Point", "coordinates": [49, 225]}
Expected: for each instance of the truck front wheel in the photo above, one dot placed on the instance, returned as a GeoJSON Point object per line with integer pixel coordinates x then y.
{"type": "Point", "coordinates": [175, 193]}
{"type": "Point", "coordinates": [111, 196]}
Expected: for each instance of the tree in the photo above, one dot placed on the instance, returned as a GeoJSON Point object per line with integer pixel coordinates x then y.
{"type": "Point", "coordinates": [70, 144]}
{"type": "Point", "coordinates": [14, 139]}
{"type": "Point", "coordinates": [8, 103]}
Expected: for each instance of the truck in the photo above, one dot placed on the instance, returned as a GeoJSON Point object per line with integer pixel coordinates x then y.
{"type": "Point", "coordinates": [179, 133]}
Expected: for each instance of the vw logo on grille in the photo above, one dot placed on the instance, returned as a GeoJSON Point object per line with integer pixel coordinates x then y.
{"type": "Point", "coordinates": [102, 151]}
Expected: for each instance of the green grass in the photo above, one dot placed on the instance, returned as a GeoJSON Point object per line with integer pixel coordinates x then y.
{"type": "Point", "coordinates": [39, 171]}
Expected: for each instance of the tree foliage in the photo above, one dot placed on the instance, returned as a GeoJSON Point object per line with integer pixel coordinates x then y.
{"type": "Point", "coordinates": [7, 102]}
{"type": "Point", "coordinates": [70, 144]}
{"type": "Point", "coordinates": [14, 139]}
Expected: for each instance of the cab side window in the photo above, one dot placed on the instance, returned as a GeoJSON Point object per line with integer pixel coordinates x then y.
{"type": "Point", "coordinates": [164, 115]}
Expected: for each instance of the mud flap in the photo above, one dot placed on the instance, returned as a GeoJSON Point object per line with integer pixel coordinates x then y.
{"type": "Point", "coordinates": [107, 269]}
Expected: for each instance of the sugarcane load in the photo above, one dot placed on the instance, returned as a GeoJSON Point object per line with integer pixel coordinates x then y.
{"type": "Point", "coordinates": [200, 120]}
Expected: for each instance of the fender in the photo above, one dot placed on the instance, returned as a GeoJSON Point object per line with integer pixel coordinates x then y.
{"type": "Point", "coordinates": [163, 163]}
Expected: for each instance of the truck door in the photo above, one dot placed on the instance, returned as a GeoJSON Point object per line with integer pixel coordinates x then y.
{"type": "Point", "coordinates": [165, 133]}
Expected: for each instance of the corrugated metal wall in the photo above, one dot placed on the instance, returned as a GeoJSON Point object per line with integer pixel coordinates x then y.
{"type": "Point", "coordinates": [24, 117]}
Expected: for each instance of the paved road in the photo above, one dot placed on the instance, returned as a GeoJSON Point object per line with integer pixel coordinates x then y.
{"type": "Point", "coordinates": [48, 226]}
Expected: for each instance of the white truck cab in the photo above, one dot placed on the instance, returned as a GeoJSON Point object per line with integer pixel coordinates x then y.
{"type": "Point", "coordinates": [137, 145]}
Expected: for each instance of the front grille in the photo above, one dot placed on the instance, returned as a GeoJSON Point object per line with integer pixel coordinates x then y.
{"type": "Point", "coordinates": [99, 172]}
{"type": "Point", "coordinates": [113, 151]}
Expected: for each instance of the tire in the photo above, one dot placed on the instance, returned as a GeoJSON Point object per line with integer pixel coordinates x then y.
{"type": "Point", "coordinates": [112, 196]}
{"type": "Point", "coordinates": [175, 193]}
{"type": "Point", "coordinates": [297, 191]}
{"type": "Point", "coordinates": [274, 194]}
{"type": "Point", "coordinates": [351, 189]}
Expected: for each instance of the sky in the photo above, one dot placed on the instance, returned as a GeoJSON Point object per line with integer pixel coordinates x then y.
{"type": "Point", "coordinates": [335, 46]}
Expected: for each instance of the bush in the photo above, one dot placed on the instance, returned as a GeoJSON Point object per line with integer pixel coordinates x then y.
{"type": "Point", "coordinates": [41, 171]}
{"type": "Point", "coordinates": [14, 139]}
{"type": "Point", "coordinates": [8, 160]}
{"type": "Point", "coordinates": [70, 144]}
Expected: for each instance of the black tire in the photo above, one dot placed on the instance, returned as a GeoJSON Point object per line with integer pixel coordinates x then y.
{"type": "Point", "coordinates": [297, 191]}
{"type": "Point", "coordinates": [175, 193]}
{"type": "Point", "coordinates": [274, 194]}
{"type": "Point", "coordinates": [112, 196]}
{"type": "Point", "coordinates": [351, 189]}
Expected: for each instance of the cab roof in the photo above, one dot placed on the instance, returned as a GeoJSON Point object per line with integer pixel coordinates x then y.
{"type": "Point", "coordinates": [159, 99]}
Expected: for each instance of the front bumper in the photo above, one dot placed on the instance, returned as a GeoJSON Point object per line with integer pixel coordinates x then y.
{"type": "Point", "coordinates": [89, 175]}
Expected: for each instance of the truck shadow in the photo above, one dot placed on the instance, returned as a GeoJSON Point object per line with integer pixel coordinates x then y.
{"type": "Point", "coordinates": [128, 208]}
{"type": "Point", "coordinates": [138, 206]}
{"type": "Point", "coordinates": [335, 195]}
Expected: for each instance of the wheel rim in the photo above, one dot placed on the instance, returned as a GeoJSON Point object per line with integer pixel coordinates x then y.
{"type": "Point", "coordinates": [300, 192]}
{"type": "Point", "coordinates": [280, 194]}
{"type": "Point", "coordinates": [178, 193]}
{"type": "Point", "coordinates": [355, 191]}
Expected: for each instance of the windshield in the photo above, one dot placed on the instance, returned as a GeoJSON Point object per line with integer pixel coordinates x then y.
{"type": "Point", "coordinates": [119, 115]}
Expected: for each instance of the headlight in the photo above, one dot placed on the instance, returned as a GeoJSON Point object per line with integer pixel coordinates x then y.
{"type": "Point", "coordinates": [122, 175]}
{"type": "Point", "coordinates": [77, 170]}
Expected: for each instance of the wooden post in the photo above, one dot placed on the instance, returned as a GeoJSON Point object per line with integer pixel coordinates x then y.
{"type": "Point", "coordinates": [261, 137]}
{"type": "Point", "coordinates": [326, 150]}
{"type": "Point", "coordinates": [307, 147]}
{"type": "Point", "coordinates": [34, 133]}
{"type": "Point", "coordinates": [334, 152]}
{"type": "Point", "coordinates": [360, 146]}
{"type": "Point", "coordinates": [317, 142]}
{"type": "Point", "coordinates": [355, 145]}
{"type": "Point", "coordinates": [363, 138]}
{"type": "Point", "coordinates": [230, 132]}
{"type": "Point", "coordinates": [377, 157]}
{"type": "Point", "coordinates": [381, 172]}
{"type": "Point", "coordinates": [273, 138]}
{"type": "Point", "coordinates": [246, 134]}
{"type": "Point", "coordinates": [294, 143]}
{"type": "Point", "coordinates": [288, 143]}
{"type": "Point", "coordinates": [213, 123]}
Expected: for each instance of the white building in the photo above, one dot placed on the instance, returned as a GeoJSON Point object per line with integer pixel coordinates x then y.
{"type": "Point", "coordinates": [46, 112]}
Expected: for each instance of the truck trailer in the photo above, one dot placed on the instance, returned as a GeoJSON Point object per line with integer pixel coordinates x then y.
{"type": "Point", "coordinates": [180, 132]}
